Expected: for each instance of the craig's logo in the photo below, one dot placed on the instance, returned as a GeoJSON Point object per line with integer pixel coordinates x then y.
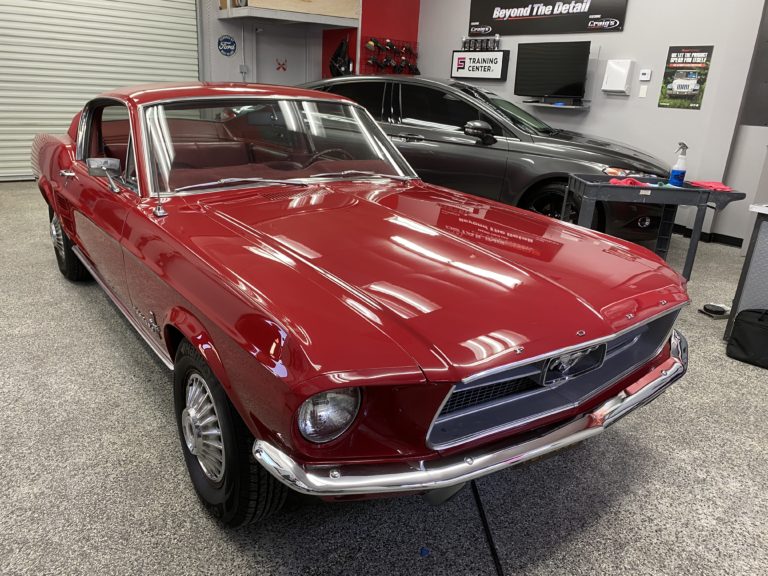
{"type": "Point", "coordinates": [480, 29]}
{"type": "Point", "coordinates": [461, 63]}
{"type": "Point", "coordinates": [604, 23]}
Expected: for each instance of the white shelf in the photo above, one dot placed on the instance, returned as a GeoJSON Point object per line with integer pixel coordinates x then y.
{"type": "Point", "coordinates": [287, 16]}
{"type": "Point", "coordinates": [583, 106]}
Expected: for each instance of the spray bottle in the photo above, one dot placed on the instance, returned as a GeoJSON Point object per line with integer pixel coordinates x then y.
{"type": "Point", "coordinates": [677, 175]}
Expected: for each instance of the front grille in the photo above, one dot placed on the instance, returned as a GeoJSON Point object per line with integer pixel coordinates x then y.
{"type": "Point", "coordinates": [465, 399]}
{"type": "Point", "coordinates": [519, 395]}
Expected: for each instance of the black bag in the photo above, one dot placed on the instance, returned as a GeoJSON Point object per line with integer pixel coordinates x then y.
{"type": "Point", "coordinates": [749, 338]}
{"type": "Point", "coordinates": [341, 63]}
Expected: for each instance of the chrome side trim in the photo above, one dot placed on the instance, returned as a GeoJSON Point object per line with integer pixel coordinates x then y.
{"type": "Point", "coordinates": [345, 480]}
{"type": "Point", "coordinates": [567, 349]}
{"type": "Point", "coordinates": [154, 346]}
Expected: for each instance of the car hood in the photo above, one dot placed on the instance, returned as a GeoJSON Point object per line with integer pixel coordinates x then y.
{"type": "Point", "coordinates": [605, 151]}
{"type": "Point", "coordinates": [460, 284]}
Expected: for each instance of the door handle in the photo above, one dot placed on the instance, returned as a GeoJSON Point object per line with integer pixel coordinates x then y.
{"type": "Point", "coordinates": [67, 173]}
{"type": "Point", "coordinates": [410, 137]}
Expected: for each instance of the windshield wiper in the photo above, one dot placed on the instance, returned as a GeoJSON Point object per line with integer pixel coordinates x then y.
{"type": "Point", "coordinates": [366, 173]}
{"type": "Point", "coordinates": [223, 181]}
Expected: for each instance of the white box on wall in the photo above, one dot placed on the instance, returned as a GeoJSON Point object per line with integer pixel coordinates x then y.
{"type": "Point", "coordinates": [618, 76]}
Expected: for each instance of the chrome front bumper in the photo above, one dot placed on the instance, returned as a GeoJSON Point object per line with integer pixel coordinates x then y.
{"type": "Point", "coordinates": [348, 480]}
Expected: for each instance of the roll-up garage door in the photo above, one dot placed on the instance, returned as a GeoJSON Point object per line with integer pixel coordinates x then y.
{"type": "Point", "coordinates": [55, 55]}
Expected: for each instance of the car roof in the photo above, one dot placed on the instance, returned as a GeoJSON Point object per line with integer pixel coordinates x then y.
{"type": "Point", "coordinates": [445, 82]}
{"type": "Point", "coordinates": [158, 92]}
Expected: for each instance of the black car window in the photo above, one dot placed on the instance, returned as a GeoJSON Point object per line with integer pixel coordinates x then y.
{"type": "Point", "coordinates": [368, 94]}
{"type": "Point", "coordinates": [430, 108]}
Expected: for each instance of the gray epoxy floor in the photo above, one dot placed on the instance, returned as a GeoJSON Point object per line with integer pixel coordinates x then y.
{"type": "Point", "coordinates": [92, 480]}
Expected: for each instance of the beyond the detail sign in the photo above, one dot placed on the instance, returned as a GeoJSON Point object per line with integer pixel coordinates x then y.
{"type": "Point", "coordinates": [490, 65]}
{"type": "Point", "coordinates": [515, 17]}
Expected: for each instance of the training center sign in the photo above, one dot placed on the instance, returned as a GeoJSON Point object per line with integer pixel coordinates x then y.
{"type": "Point", "coordinates": [491, 65]}
{"type": "Point", "coordinates": [516, 17]}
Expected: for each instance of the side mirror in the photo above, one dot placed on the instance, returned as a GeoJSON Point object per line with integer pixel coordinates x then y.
{"type": "Point", "coordinates": [480, 129]}
{"type": "Point", "coordinates": [105, 168]}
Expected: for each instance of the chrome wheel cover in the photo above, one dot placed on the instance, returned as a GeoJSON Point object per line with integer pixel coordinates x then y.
{"type": "Point", "coordinates": [57, 236]}
{"type": "Point", "coordinates": [201, 429]}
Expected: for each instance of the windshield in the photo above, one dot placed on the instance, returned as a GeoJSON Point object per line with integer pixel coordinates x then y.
{"type": "Point", "coordinates": [519, 117]}
{"type": "Point", "coordinates": [200, 145]}
{"type": "Point", "coordinates": [686, 75]}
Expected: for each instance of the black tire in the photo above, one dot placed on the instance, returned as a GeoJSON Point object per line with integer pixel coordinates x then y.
{"type": "Point", "coordinates": [69, 264]}
{"type": "Point", "coordinates": [246, 492]}
{"type": "Point", "coordinates": [548, 200]}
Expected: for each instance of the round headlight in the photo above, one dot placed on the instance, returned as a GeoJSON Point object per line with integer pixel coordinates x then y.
{"type": "Point", "coordinates": [326, 416]}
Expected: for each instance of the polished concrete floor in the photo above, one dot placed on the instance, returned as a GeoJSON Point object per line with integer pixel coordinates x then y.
{"type": "Point", "coordinates": [92, 480]}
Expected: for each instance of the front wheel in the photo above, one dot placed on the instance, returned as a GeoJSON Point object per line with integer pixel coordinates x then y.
{"type": "Point", "coordinates": [217, 446]}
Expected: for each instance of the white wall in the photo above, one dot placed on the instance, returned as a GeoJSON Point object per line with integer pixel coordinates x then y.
{"type": "Point", "coordinates": [748, 173]}
{"type": "Point", "coordinates": [652, 26]}
{"type": "Point", "coordinates": [259, 44]}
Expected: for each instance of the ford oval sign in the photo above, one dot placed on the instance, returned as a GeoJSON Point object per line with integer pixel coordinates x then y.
{"type": "Point", "coordinates": [227, 45]}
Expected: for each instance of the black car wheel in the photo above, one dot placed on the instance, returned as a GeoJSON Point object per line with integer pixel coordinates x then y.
{"type": "Point", "coordinates": [69, 264]}
{"type": "Point", "coordinates": [548, 200]}
{"type": "Point", "coordinates": [217, 446]}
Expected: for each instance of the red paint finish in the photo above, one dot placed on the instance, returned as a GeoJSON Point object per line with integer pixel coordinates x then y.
{"type": "Point", "coordinates": [380, 284]}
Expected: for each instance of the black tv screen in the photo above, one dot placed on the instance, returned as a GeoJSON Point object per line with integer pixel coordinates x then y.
{"type": "Point", "coordinates": [554, 69]}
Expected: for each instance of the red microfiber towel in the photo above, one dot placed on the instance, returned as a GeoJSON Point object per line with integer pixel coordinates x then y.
{"type": "Point", "coordinates": [626, 182]}
{"type": "Point", "coordinates": [716, 186]}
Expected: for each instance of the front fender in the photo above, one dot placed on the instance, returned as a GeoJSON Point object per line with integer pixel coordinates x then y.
{"type": "Point", "coordinates": [193, 330]}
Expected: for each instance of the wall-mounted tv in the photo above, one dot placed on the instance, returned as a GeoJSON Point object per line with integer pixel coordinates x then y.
{"type": "Point", "coordinates": [552, 69]}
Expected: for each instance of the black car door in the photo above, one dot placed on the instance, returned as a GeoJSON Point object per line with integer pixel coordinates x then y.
{"type": "Point", "coordinates": [428, 128]}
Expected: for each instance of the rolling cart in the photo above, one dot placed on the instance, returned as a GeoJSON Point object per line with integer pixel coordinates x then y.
{"type": "Point", "coordinates": [597, 188]}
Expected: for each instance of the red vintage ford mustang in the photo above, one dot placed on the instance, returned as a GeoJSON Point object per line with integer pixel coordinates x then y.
{"type": "Point", "coordinates": [335, 325]}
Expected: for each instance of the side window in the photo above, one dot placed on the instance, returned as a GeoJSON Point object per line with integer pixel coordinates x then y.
{"type": "Point", "coordinates": [109, 136]}
{"type": "Point", "coordinates": [430, 108]}
{"type": "Point", "coordinates": [370, 95]}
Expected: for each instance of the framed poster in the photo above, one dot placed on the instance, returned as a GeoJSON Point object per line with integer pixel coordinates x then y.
{"type": "Point", "coordinates": [685, 77]}
{"type": "Point", "coordinates": [515, 17]}
{"type": "Point", "coordinates": [490, 65]}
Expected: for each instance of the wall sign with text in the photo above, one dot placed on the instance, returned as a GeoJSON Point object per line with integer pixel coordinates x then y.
{"type": "Point", "coordinates": [517, 17]}
{"type": "Point", "coordinates": [685, 77]}
{"type": "Point", "coordinates": [491, 65]}
{"type": "Point", "coordinates": [227, 45]}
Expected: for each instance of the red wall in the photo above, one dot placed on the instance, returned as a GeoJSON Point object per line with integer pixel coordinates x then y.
{"type": "Point", "coordinates": [382, 19]}
{"type": "Point", "coordinates": [391, 19]}
{"type": "Point", "coordinates": [397, 20]}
